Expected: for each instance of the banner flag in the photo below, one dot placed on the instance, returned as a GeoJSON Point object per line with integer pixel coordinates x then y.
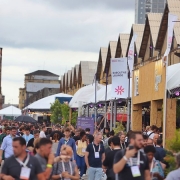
{"type": "Point", "coordinates": [131, 54]}
{"type": "Point", "coordinates": [171, 22]}
{"type": "Point", "coordinates": [120, 79]}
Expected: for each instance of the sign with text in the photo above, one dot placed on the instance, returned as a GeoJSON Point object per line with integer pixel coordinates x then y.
{"type": "Point", "coordinates": [86, 122]}
{"type": "Point", "coordinates": [119, 78]}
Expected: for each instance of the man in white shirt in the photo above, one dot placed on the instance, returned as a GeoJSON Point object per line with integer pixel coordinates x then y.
{"type": "Point", "coordinates": [151, 132]}
{"type": "Point", "coordinates": [42, 133]}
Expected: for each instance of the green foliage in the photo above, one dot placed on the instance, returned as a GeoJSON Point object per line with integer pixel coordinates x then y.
{"type": "Point", "coordinates": [65, 111]}
{"type": "Point", "coordinates": [74, 118]}
{"type": "Point", "coordinates": [119, 127]}
{"type": "Point", "coordinates": [56, 113]}
{"type": "Point", "coordinates": [174, 146]}
{"type": "Point", "coordinates": [174, 143]}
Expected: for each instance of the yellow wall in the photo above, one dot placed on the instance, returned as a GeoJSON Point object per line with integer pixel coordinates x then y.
{"type": "Point", "coordinates": [146, 88]}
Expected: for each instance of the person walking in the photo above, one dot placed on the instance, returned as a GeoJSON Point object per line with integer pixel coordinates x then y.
{"type": "Point", "coordinates": [67, 140]}
{"type": "Point", "coordinates": [27, 136]}
{"type": "Point", "coordinates": [6, 146]}
{"type": "Point", "coordinates": [21, 165]}
{"type": "Point", "coordinates": [156, 169]}
{"type": "Point", "coordinates": [109, 159]}
{"type": "Point", "coordinates": [45, 156]}
{"type": "Point", "coordinates": [64, 168]}
{"type": "Point", "coordinates": [123, 144]}
{"type": "Point", "coordinates": [132, 163]}
{"type": "Point", "coordinates": [94, 156]}
{"type": "Point", "coordinates": [42, 133]}
{"type": "Point", "coordinates": [81, 149]}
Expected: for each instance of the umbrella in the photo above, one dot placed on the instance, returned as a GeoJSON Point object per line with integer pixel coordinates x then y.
{"type": "Point", "coordinates": [27, 119]}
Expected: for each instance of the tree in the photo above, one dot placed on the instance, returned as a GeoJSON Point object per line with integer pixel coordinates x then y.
{"type": "Point", "coordinates": [74, 118]}
{"type": "Point", "coordinates": [65, 112]}
{"type": "Point", "coordinates": [56, 113]}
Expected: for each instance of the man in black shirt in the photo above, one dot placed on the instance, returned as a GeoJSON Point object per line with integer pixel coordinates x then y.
{"type": "Point", "coordinates": [58, 132]}
{"type": "Point", "coordinates": [108, 162]}
{"type": "Point", "coordinates": [21, 165]}
{"type": "Point", "coordinates": [94, 156]}
{"type": "Point", "coordinates": [131, 163]}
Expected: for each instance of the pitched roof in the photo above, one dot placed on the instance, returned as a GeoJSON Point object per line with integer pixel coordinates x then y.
{"type": "Point", "coordinates": [122, 45]}
{"type": "Point", "coordinates": [111, 54]}
{"type": "Point", "coordinates": [88, 70]}
{"type": "Point", "coordinates": [172, 6]}
{"type": "Point", "coordinates": [152, 26]}
{"type": "Point", "coordinates": [42, 73]}
{"type": "Point", "coordinates": [69, 77]}
{"type": "Point", "coordinates": [101, 61]}
{"type": "Point", "coordinates": [139, 30]}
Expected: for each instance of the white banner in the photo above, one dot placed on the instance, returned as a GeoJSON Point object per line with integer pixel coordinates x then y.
{"type": "Point", "coordinates": [131, 54]}
{"type": "Point", "coordinates": [171, 22]}
{"type": "Point", "coordinates": [120, 81]}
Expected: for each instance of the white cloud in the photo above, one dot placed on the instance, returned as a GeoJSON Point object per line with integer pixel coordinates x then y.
{"type": "Point", "coordinates": [55, 36]}
{"type": "Point", "coordinates": [17, 62]}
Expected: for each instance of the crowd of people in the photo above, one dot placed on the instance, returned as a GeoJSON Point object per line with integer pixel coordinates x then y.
{"type": "Point", "coordinates": [36, 152]}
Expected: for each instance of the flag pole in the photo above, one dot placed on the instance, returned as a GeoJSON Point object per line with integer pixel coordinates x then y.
{"type": "Point", "coordinates": [128, 103]}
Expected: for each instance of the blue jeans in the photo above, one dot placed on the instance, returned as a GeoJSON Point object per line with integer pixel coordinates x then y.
{"type": "Point", "coordinates": [81, 164]}
{"type": "Point", "coordinates": [94, 173]}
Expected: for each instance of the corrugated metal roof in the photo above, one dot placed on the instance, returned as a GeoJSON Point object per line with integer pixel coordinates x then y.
{"type": "Point", "coordinates": [88, 70]}
{"type": "Point", "coordinates": [139, 30]}
{"type": "Point", "coordinates": [174, 8]}
{"type": "Point", "coordinates": [154, 23]}
{"type": "Point", "coordinates": [124, 39]}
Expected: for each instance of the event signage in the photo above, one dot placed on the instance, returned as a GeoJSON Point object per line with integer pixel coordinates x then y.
{"type": "Point", "coordinates": [171, 22]}
{"type": "Point", "coordinates": [119, 78]}
{"type": "Point", "coordinates": [131, 54]}
{"type": "Point", "coordinates": [86, 122]}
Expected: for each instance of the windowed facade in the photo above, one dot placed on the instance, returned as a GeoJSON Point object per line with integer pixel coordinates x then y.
{"type": "Point", "coordinates": [143, 7]}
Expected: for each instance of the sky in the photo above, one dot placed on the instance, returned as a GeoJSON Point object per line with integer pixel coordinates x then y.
{"type": "Point", "coordinates": [56, 35]}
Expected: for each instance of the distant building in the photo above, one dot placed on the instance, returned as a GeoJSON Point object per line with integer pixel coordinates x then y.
{"type": "Point", "coordinates": [143, 7]}
{"type": "Point", "coordinates": [34, 82]}
{"type": "Point", "coordinates": [42, 94]}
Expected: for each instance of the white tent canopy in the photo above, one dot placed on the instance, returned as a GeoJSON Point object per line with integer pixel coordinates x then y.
{"type": "Point", "coordinates": [101, 93]}
{"type": "Point", "coordinates": [173, 74]}
{"type": "Point", "coordinates": [11, 110]}
{"type": "Point", "coordinates": [45, 103]}
{"type": "Point", "coordinates": [82, 96]}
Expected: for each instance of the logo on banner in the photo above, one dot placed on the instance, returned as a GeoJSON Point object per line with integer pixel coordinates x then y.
{"type": "Point", "coordinates": [119, 90]}
{"type": "Point", "coordinates": [131, 52]}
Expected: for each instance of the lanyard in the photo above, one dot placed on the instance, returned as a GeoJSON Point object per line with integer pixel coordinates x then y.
{"type": "Point", "coordinates": [94, 148]}
{"type": "Point", "coordinates": [65, 142]}
{"type": "Point", "coordinates": [122, 146]}
{"type": "Point", "coordinates": [23, 163]}
{"type": "Point", "coordinates": [152, 165]}
{"type": "Point", "coordinates": [138, 159]}
{"type": "Point", "coordinates": [69, 166]}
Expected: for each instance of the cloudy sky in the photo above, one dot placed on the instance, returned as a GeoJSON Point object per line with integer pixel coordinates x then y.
{"type": "Point", "coordinates": [56, 35]}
